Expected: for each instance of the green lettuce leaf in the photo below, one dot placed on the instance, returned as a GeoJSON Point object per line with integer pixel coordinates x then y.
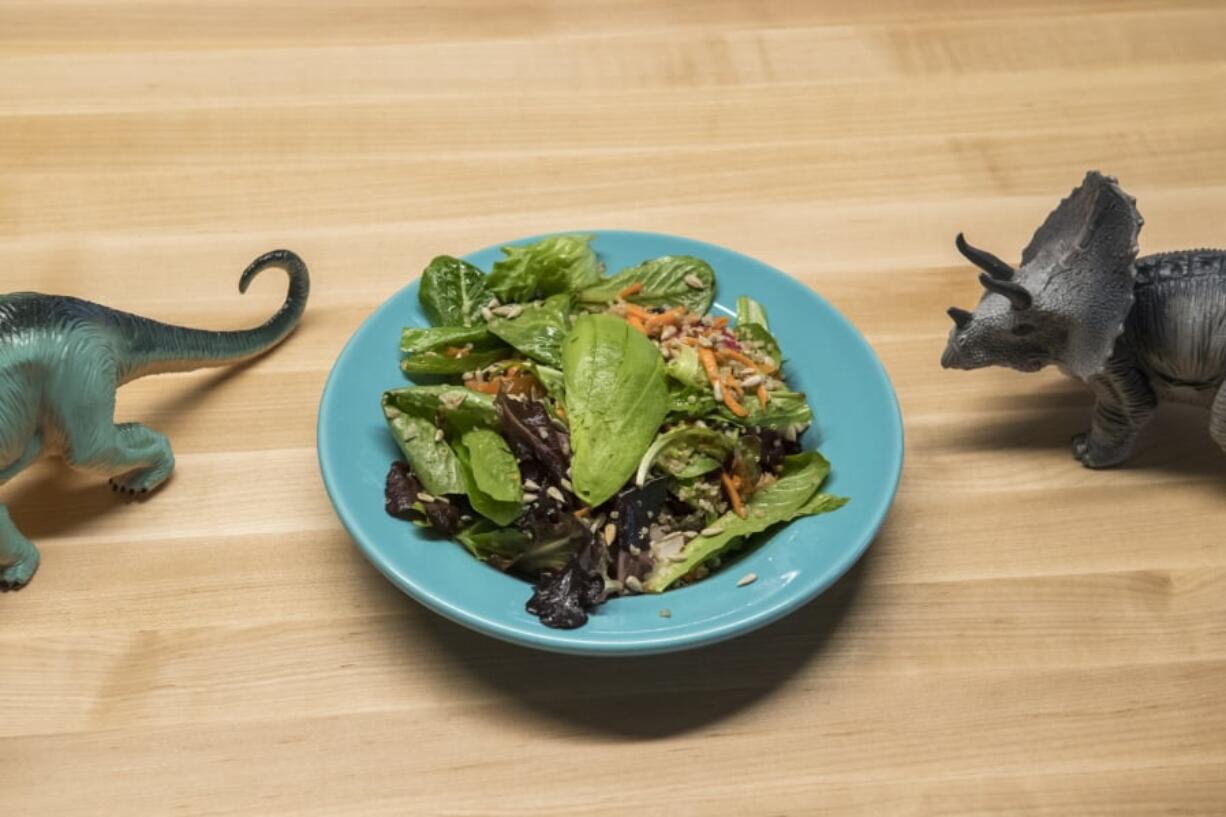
{"type": "Point", "coordinates": [685, 452]}
{"type": "Point", "coordinates": [482, 354]}
{"type": "Point", "coordinates": [616, 399]}
{"type": "Point", "coordinates": [793, 495]}
{"type": "Point", "coordinates": [459, 407]}
{"type": "Point", "coordinates": [494, 543]}
{"type": "Point", "coordinates": [430, 458]}
{"type": "Point", "coordinates": [560, 263]}
{"type": "Point", "coordinates": [749, 311]}
{"type": "Point", "coordinates": [452, 292]}
{"type": "Point", "coordinates": [664, 283]}
{"type": "Point", "coordinates": [685, 367]}
{"type": "Point", "coordinates": [491, 475]}
{"type": "Point", "coordinates": [417, 339]}
{"type": "Point", "coordinates": [786, 408]}
{"type": "Point", "coordinates": [537, 331]}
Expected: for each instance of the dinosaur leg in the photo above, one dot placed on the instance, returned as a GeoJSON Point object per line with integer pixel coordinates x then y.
{"type": "Point", "coordinates": [1217, 418]}
{"type": "Point", "coordinates": [20, 442]}
{"type": "Point", "coordinates": [18, 556]}
{"type": "Point", "coordinates": [1124, 402]}
{"type": "Point", "coordinates": [136, 458]}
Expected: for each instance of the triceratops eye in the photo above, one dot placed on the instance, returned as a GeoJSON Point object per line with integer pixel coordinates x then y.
{"type": "Point", "coordinates": [1023, 329]}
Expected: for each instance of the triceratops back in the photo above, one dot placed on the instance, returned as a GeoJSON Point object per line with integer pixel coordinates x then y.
{"type": "Point", "coordinates": [1177, 327]}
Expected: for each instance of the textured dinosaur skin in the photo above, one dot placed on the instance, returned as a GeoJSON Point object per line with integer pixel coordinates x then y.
{"type": "Point", "coordinates": [61, 360]}
{"type": "Point", "coordinates": [1136, 331]}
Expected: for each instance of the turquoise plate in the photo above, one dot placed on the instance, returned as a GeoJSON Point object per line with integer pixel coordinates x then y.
{"type": "Point", "coordinates": [858, 427]}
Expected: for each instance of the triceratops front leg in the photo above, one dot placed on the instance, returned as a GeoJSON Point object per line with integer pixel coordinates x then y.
{"type": "Point", "coordinates": [1124, 402]}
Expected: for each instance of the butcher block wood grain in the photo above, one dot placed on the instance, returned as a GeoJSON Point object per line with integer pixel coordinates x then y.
{"type": "Point", "coordinates": [1025, 637]}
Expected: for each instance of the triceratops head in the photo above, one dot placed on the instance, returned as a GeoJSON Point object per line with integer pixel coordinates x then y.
{"type": "Point", "coordinates": [1067, 301]}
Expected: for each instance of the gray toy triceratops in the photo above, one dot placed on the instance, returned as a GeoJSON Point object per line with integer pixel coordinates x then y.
{"type": "Point", "coordinates": [61, 360]}
{"type": "Point", "coordinates": [1135, 330]}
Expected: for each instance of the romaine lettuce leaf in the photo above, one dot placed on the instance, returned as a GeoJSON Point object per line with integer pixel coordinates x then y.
{"type": "Point", "coordinates": [794, 494]}
{"type": "Point", "coordinates": [491, 475]}
{"type": "Point", "coordinates": [452, 292]}
{"type": "Point", "coordinates": [560, 263]}
{"type": "Point", "coordinates": [417, 339]}
{"type": "Point", "coordinates": [431, 459]}
{"type": "Point", "coordinates": [750, 311]}
{"type": "Point", "coordinates": [616, 399]}
{"type": "Point", "coordinates": [666, 281]}
{"type": "Point", "coordinates": [483, 353]}
{"type": "Point", "coordinates": [537, 331]}
{"type": "Point", "coordinates": [452, 403]}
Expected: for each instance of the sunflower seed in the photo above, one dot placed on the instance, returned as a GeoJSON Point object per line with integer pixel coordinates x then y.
{"type": "Point", "coordinates": [712, 530]}
{"type": "Point", "coordinates": [438, 436]}
{"type": "Point", "coordinates": [694, 282]}
{"type": "Point", "coordinates": [530, 497]}
{"type": "Point", "coordinates": [719, 392]}
{"type": "Point", "coordinates": [425, 497]}
{"type": "Point", "coordinates": [487, 314]}
{"type": "Point", "coordinates": [531, 485]}
{"type": "Point", "coordinates": [752, 380]}
{"type": "Point", "coordinates": [668, 333]}
{"type": "Point", "coordinates": [748, 578]}
{"type": "Point", "coordinates": [554, 493]}
{"type": "Point", "coordinates": [666, 613]}
{"type": "Point", "coordinates": [634, 584]}
{"type": "Point", "coordinates": [610, 533]}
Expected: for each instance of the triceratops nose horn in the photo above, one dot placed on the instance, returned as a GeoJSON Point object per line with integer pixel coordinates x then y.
{"type": "Point", "coordinates": [984, 260]}
{"type": "Point", "coordinates": [1017, 294]}
{"type": "Point", "coordinates": [961, 317]}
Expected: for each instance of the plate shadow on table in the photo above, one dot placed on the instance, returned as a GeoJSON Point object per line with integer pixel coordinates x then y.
{"type": "Point", "coordinates": [1176, 440]}
{"type": "Point", "coordinates": [638, 698]}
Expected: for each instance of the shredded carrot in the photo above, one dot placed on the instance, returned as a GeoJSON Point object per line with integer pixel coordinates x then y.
{"type": "Point", "coordinates": [730, 383]}
{"type": "Point", "coordinates": [733, 406]}
{"type": "Point", "coordinates": [708, 363]}
{"type": "Point", "coordinates": [690, 341]}
{"type": "Point", "coordinates": [638, 312]}
{"type": "Point", "coordinates": [741, 357]}
{"type": "Point", "coordinates": [763, 395]}
{"type": "Point", "coordinates": [665, 318]}
{"type": "Point", "coordinates": [636, 323]}
{"type": "Point", "coordinates": [487, 387]}
{"type": "Point", "coordinates": [582, 512]}
{"type": "Point", "coordinates": [633, 289]}
{"type": "Point", "coordinates": [512, 371]}
{"type": "Point", "coordinates": [720, 322]}
{"type": "Point", "coordinates": [738, 507]}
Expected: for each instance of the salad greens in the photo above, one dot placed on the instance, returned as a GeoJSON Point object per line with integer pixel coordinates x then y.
{"type": "Point", "coordinates": [616, 398]}
{"type": "Point", "coordinates": [598, 435]}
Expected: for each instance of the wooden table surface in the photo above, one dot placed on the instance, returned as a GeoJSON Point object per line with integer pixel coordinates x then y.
{"type": "Point", "coordinates": [1025, 637]}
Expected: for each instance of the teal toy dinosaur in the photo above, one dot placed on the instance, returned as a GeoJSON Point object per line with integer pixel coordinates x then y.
{"type": "Point", "coordinates": [61, 360]}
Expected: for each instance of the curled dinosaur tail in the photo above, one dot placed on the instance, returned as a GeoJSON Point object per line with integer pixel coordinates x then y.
{"type": "Point", "coordinates": [153, 347]}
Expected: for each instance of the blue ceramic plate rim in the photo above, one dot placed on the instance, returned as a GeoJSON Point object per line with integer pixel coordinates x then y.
{"type": "Point", "coordinates": [670, 633]}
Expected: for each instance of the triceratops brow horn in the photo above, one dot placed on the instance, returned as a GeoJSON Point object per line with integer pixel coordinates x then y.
{"type": "Point", "coordinates": [961, 317]}
{"type": "Point", "coordinates": [984, 260]}
{"type": "Point", "coordinates": [1016, 293]}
